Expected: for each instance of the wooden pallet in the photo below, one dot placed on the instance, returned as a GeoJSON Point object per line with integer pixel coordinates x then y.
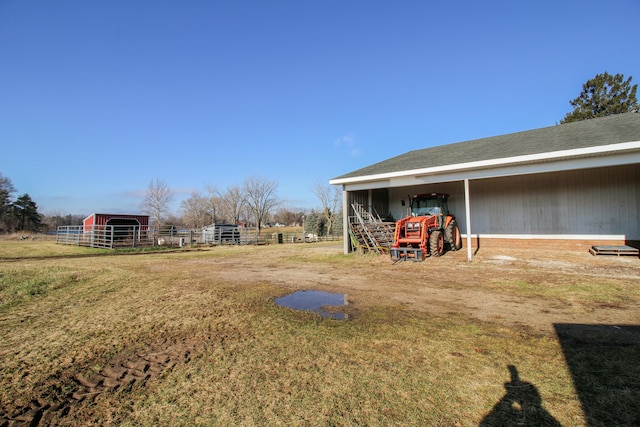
{"type": "Point", "coordinates": [614, 250]}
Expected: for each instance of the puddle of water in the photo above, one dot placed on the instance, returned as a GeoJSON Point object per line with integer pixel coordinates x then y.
{"type": "Point", "coordinates": [314, 301]}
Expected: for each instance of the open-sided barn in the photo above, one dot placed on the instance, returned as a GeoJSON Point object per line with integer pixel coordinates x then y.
{"type": "Point", "coordinates": [99, 219]}
{"type": "Point", "coordinates": [574, 181]}
{"type": "Point", "coordinates": [116, 226]}
{"type": "Point", "coordinates": [100, 230]}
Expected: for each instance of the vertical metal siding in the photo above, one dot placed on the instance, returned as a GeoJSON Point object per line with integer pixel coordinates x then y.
{"type": "Point", "coordinates": [599, 201]}
{"type": "Point", "coordinates": [596, 201]}
{"type": "Point", "coordinates": [361, 197]}
{"type": "Point", "coordinates": [380, 199]}
{"type": "Point", "coordinates": [89, 222]}
{"type": "Point", "coordinates": [102, 219]}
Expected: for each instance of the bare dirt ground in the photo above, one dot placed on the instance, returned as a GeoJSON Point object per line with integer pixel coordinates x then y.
{"type": "Point", "coordinates": [450, 285]}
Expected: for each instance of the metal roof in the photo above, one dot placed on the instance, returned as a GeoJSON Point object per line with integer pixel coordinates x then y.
{"type": "Point", "coordinates": [588, 137]}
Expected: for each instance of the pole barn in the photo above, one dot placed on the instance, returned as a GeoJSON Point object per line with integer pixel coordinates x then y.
{"type": "Point", "coordinates": [101, 219]}
{"type": "Point", "coordinates": [574, 181]}
{"type": "Point", "coordinates": [116, 227]}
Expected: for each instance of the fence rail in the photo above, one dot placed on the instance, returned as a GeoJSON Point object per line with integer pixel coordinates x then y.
{"type": "Point", "coordinates": [105, 236]}
{"type": "Point", "coordinates": [130, 236]}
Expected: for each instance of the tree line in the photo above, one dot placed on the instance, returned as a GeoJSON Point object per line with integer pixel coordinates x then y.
{"type": "Point", "coordinates": [254, 203]}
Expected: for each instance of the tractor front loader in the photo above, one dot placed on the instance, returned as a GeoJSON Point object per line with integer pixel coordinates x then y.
{"type": "Point", "coordinates": [428, 230]}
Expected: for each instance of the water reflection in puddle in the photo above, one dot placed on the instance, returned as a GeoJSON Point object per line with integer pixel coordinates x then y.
{"type": "Point", "coordinates": [315, 301]}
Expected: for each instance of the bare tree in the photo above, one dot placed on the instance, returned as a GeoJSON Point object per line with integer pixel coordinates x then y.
{"type": "Point", "coordinates": [261, 198]}
{"type": "Point", "coordinates": [157, 200]}
{"type": "Point", "coordinates": [233, 204]}
{"type": "Point", "coordinates": [195, 211]}
{"type": "Point", "coordinates": [331, 200]}
{"type": "Point", "coordinates": [55, 219]}
{"type": "Point", "coordinates": [215, 206]}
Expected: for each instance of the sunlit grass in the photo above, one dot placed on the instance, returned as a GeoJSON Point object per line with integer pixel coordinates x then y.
{"type": "Point", "coordinates": [19, 285]}
{"type": "Point", "coordinates": [18, 249]}
{"type": "Point", "coordinates": [566, 288]}
{"type": "Point", "coordinates": [254, 363]}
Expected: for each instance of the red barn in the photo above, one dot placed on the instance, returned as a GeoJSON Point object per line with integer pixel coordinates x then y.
{"type": "Point", "coordinates": [115, 219]}
{"type": "Point", "coordinates": [95, 219]}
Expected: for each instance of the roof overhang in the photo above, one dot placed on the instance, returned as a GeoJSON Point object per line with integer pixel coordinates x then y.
{"type": "Point", "coordinates": [581, 158]}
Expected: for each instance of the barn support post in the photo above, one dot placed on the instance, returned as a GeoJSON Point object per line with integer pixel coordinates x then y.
{"type": "Point", "coordinates": [467, 208]}
{"type": "Point", "coordinates": [345, 221]}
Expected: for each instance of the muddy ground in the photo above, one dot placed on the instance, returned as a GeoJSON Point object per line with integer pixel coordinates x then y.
{"type": "Point", "coordinates": [451, 285]}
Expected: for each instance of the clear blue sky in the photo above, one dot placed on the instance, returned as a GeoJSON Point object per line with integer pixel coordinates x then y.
{"type": "Point", "coordinates": [99, 98]}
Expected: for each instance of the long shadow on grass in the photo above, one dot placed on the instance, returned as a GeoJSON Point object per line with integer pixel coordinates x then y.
{"type": "Point", "coordinates": [521, 405]}
{"type": "Point", "coordinates": [604, 362]}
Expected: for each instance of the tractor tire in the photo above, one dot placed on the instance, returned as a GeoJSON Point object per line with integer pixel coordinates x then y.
{"type": "Point", "coordinates": [436, 243]}
{"type": "Point", "coordinates": [452, 236]}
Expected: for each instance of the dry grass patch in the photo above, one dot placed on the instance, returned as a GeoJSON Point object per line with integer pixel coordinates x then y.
{"type": "Point", "coordinates": [193, 338]}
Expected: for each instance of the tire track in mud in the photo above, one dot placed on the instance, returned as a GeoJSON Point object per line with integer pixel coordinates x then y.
{"type": "Point", "coordinates": [122, 374]}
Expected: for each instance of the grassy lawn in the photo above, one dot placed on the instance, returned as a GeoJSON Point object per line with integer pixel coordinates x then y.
{"type": "Point", "coordinates": [194, 346]}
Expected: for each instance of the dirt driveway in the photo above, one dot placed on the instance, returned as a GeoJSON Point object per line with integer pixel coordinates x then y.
{"type": "Point", "coordinates": [509, 283]}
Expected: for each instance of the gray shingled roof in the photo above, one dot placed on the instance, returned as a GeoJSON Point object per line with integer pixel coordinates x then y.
{"type": "Point", "coordinates": [614, 129]}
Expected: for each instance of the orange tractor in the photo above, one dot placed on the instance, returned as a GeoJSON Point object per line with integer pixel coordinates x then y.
{"type": "Point", "coordinates": [429, 229]}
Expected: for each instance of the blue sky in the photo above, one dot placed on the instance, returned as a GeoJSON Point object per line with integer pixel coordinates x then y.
{"type": "Point", "coordinates": [99, 98]}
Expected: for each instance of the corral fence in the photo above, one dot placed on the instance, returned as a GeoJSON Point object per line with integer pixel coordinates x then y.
{"type": "Point", "coordinates": [132, 236]}
{"type": "Point", "coordinates": [105, 236]}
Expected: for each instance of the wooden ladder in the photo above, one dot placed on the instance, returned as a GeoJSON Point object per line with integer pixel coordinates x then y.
{"type": "Point", "coordinates": [369, 232]}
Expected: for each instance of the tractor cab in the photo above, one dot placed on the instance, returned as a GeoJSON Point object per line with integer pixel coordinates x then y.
{"type": "Point", "coordinates": [431, 204]}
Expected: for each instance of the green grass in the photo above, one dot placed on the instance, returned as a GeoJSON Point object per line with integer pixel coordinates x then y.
{"type": "Point", "coordinates": [18, 285]}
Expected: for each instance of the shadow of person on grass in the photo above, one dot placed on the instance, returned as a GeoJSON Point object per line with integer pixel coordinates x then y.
{"type": "Point", "coordinates": [521, 406]}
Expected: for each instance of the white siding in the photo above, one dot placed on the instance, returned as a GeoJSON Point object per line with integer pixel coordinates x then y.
{"type": "Point", "coordinates": [600, 201]}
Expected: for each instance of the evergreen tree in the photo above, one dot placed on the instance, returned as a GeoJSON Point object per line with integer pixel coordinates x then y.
{"type": "Point", "coordinates": [603, 95]}
{"type": "Point", "coordinates": [315, 223]}
{"type": "Point", "coordinates": [25, 212]}
{"type": "Point", "coordinates": [6, 189]}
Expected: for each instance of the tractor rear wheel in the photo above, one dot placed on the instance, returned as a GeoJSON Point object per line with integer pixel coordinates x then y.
{"type": "Point", "coordinates": [452, 236]}
{"type": "Point", "coordinates": [436, 243]}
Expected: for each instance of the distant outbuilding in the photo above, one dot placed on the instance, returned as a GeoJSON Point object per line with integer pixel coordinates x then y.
{"type": "Point", "coordinates": [116, 226]}
{"type": "Point", "coordinates": [119, 220]}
